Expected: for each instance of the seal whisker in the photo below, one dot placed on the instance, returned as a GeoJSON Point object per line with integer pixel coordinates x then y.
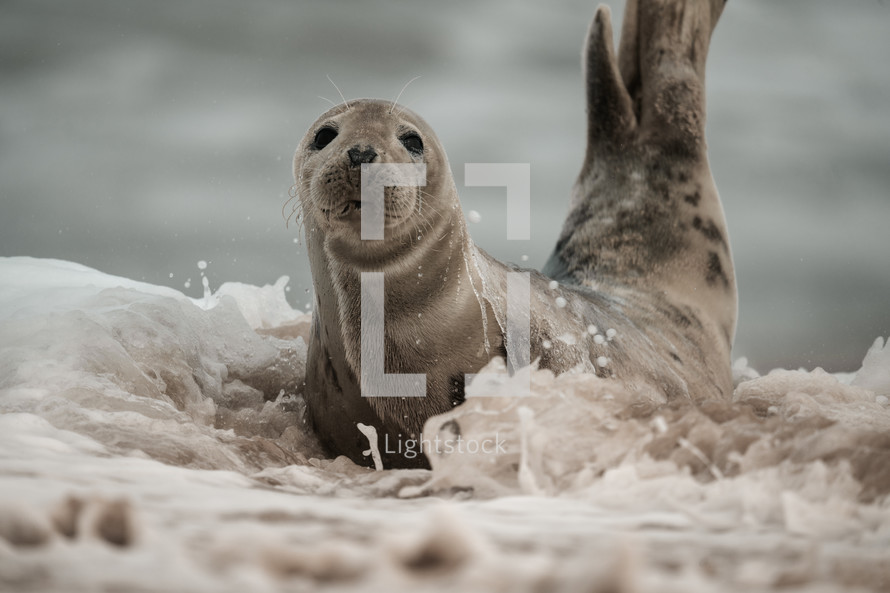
{"type": "Point", "coordinates": [425, 220]}
{"type": "Point", "coordinates": [430, 203]}
{"type": "Point", "coordinates": [292, 192]}
{"type": "Point", "coordinates": [296, 207]}
{"type": "Point", "coordinates": [296, 210]}
{"type": "Point", "coordinates": [399, 96]}
{"type": "Point", "coordinates": [328, 100]}
{"type": "Point", "coordinates": [425, 223]}
{"type": "Point", "coordinates": [339, 91]}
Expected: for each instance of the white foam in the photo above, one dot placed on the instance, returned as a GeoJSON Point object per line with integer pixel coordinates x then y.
{"type": "Point", "coordinates": [113, 390]}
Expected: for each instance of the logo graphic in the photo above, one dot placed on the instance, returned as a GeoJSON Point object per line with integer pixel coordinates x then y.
{"type": "Point", "coordinates": [375, 381]}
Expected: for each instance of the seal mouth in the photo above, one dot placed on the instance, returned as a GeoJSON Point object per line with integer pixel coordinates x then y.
{"type": "Point", "coordinates": [344, 210]}
{"type": "Point", "coordinates": [341, 208]}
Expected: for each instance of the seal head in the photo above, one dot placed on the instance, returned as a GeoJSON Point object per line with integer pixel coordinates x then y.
{"type": "Point", "coordinates": [328, 170]}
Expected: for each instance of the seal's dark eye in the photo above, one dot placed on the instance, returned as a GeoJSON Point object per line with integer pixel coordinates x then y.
{"type": "Point", "coordinates": [324, 137]}
{"type": "Point", "coordinates": [413, 143]}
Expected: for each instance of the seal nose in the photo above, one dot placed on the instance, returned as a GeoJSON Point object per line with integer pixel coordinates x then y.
{"type": "Point", "coordinates": [357, 155]}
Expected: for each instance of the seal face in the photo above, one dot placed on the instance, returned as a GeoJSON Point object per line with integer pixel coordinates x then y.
{"type": "Point", "coordinates": [329, 175]}
{"type": "Point", "coordinates": [643, 256]}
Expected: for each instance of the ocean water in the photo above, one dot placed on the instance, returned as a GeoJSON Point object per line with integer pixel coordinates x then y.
{"type": "Point", "coordinates": [153, 442]}
{"type": "Point", "coordinates": [142, 137]}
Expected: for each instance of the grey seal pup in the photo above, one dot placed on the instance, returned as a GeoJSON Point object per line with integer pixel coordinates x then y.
{"type": "Point", "coordinates": [640, 286]}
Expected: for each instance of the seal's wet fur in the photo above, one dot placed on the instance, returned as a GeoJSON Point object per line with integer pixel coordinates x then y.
{"type": "Point", "coordinates": [644, 249]}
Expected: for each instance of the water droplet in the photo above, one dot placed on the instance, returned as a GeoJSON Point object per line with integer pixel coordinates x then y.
{"type": "Point", "coordinates": [599, 339]}
{"type": "Point", "coordinates": [474, 216]}
{"type": "Point", "coordinates": [206, 283]}
{"type": "Point", "coordinates": [591, 329]}
{"type": "Point", "coordinates": [660, 424]}
{"type": "Point", "coordinates": [547, 344]}
{"type": "Point", "coordinates": [560, 302]}
{"type": "Point", "coordinates": [611, 333]}
{"type": "Point", "coordinates": [602, 361]}
{"type": "Point", "coordinates": [553, 285]}
{"type": "Point", "coordinates": [523, 258]}
{"type": "Point", "coordinates": [568, 339]}
{"type": "Point", "coordinates": [202, 265]}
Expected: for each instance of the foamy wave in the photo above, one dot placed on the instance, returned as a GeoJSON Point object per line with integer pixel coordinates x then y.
{"type": "Point", "coordinates": [150, 443]}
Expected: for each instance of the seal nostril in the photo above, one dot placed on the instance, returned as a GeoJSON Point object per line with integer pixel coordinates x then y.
{"type": "Point", "coordinates": [357, 155]}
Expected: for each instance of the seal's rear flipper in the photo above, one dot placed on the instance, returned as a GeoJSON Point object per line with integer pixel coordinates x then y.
{"type": "Point", "coordinates": [629, 54]}
{"type": "Point", "coordinates": [645, 212]}
{"type": "Point", "coordinates": [655, 87]}
{"type": "Point", "coordinates": [664, 46]}
{"type": "Point", "coordinates": [610, 117]}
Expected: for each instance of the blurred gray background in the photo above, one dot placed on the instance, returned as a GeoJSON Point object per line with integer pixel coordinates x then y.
{"type": "Point", "coordinates": [142, 137]}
